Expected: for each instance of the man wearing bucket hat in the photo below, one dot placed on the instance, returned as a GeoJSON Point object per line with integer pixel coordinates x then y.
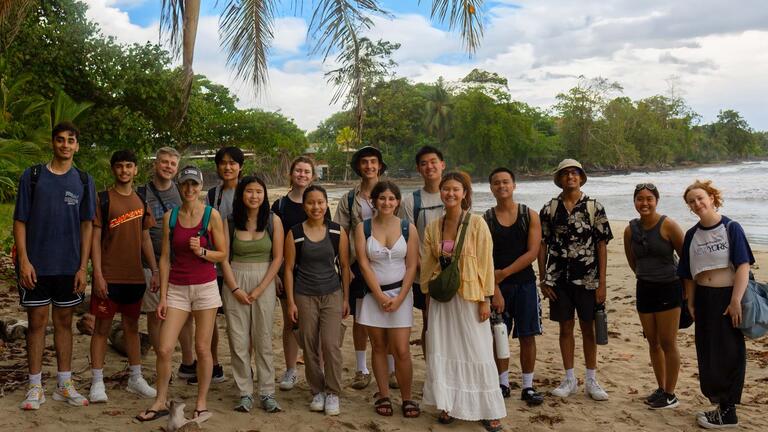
{"type": "Point", "coordinates": [572, 268]}
{"type": "Point", "coordinates": [354, 207]}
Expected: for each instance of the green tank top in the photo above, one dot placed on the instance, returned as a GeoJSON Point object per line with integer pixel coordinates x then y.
{"type": "Point", "coordinates": [252, 251]}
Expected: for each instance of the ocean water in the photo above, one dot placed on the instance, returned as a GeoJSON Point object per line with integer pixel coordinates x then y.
{"type": "Point", "coordinates": [744, 186]}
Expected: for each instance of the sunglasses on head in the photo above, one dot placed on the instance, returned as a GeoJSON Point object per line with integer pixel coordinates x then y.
{"type": "Point", "coordinates": [649, 186]}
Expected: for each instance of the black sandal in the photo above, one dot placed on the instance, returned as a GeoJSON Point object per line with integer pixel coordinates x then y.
{"type": "Point", "coordinates": [201, 415]}
{"type": "Point", "coordinates": [488, 425]}
{"type": "Point", "coordinates": [445, 418]}
{"type": "Point", "coordinates": [411, 409]}
{"type": "Point", "coordinates": [154, 415]}
{"type": "Point", "coordinates": [383, 407]}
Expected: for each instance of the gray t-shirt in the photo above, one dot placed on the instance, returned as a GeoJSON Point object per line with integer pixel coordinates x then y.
{"type": "Point", "coordinates": [431, 209]}
{"type": "Point", "coordinates": [222, 201]}
{"type": "Point", "coordinates": [159, 202]}
{"type": "Point", "coordinates": [316, 273]}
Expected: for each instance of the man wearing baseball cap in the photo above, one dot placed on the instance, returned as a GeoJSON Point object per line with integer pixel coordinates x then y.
{"type": "Point", "coordinates": [572, 268]}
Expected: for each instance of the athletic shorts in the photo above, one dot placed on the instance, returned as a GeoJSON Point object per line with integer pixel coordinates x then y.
{"type": "Point", "coordinates": [194, 297]}
{"type": "Point", "coordinates": [59, 290]}
{"type": "Point", "coordinates": [151, 299]}
{"type": "Point", "coordinates": [523, 309]}
{"type": "Point", "coordinates": [572, 297]}
{"type": "Point", "coordinates": [419, 298]}
{"type": "Point", "coordinates": [107, 308]}
{"type": "Point", "coordinates": [658, 296]}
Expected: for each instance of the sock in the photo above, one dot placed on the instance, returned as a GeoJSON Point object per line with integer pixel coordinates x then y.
{"type": "Point", "coordinates": [97, 375]}
{"type": "Point", "coordinates": [569, 374]}
{"type": "Point", "coordinates": [63, 376]}
{"type": "Point", "coordinates": [291, 371]}
{"type": "Point", "coordinates": [36, 379]}
{"type": "Point", "coordinates": [390, 363]}
{"type": "Point", "coordinates": [504, 378]}
{"type": "Point", "coordinates": [528, 380]}
{"type": "Point", "coordinates": [361, 367]}
{"type": "Point", "coordinates": [135, 370]}
{"type": "Point", "coordinates": [591, 374]}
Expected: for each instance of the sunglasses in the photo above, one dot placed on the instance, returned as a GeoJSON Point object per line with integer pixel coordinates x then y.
{"type": "Point", "coordinates": [641, 186]}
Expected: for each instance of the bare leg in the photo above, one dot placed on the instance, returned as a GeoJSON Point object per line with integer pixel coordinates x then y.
{"type": "Point", "coordinates": [567, 343]}
{"type": "Point", "coordinates": [215, 342]}
{"type": "Point", "coordinates": [153, 328]}
{"type": "Point", "coordinates": [132, 340]}
{"type": "Point", "coordinates": [527, 353]}
{"type": "Point", "coordinates": [187, 341]}
{"type": "Point", "coordinates": [205, 320]}
{"type": "Point", "coordinates": [400, 346]}
{"type": "Point", "coordinates": [667, 323]}
{"type": "Point", "coordinates": [379, 350]}
{"type": "Point", "coordinates": [62, 336]}
{"type": "Point", "coordinates": [169, 334]}
{"type": "Point", "coordinates": [99, 342]}
{"type": "Point", "coordinates": [37, 320]}
{"type": "Point", "coordinates": [290, 347]}
{"type": "Point", "coordinates": [648, 320]}
{"type": "Point", "coordinates": [589, 343]}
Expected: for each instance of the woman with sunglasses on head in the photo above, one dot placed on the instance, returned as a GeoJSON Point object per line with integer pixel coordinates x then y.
{"type": "Point", "coordinates": [461, 380]}
{"type": "Point", "coordinates": [650, 243]}
{"type": "Point", "coordinates": [714, 267]}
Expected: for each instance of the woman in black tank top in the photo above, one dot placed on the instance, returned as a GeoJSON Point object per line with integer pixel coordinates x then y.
{"type": "Point", "coordinates": [650, 243]}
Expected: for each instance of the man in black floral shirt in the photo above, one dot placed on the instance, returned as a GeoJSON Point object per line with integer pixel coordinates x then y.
{"type": "Point", "coordinates": [572, 267]}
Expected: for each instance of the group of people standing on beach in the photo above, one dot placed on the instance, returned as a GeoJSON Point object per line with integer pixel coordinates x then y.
{"type": "Point", "coordinates": [159, 249]}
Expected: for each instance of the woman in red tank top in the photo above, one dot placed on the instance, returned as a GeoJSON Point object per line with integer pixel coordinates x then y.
{"type": "Point", "coordinates": [188, 286]}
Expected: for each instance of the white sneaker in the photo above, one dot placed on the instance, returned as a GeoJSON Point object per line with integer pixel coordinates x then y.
{"type": "Point", "coordinates": [288, 380]}
{"type": "Point", "coordinates": [332, 405]}
{"type": "Point", "coordinates": [593, 389]}
{"type": "Point", "coordinates": [318, 402]}
{"type": "Point", "coordinates": [566, 388]}
{"type": "Point", "coordinates": [35, 398]}
{"type": "Point", "coordinates": [138, 385]}
{"type": "Point", "coordinates": [98, 393]}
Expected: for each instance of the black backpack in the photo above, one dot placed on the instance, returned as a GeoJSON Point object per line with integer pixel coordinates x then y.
{"type": "Point", "coordinates": [524, 217]}
{"type": "Point", "coordinates": [34, 177]}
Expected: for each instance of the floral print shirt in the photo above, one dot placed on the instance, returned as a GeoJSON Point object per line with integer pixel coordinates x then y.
{"type": "Point", "coordinates": [571, 240]}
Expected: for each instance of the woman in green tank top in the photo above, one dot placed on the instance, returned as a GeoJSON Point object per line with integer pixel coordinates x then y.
{"type": "Point", "coordinates": [255, 243]}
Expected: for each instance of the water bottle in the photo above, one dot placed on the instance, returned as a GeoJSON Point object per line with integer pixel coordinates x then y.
{"type": "Point", "coordinates": [500, 337]}
{"type": "Point", "coordinates": [601, 325]}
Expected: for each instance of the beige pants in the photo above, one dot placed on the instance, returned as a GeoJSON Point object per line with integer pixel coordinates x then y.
{"type": "Point", "coordinates": [251, 326]}
{"type": "Point", "coordinates": [320, 327]}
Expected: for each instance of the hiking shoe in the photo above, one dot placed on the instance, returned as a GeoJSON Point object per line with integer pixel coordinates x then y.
{"type": "Point", "coordinates": [531, 397]}
{"type": "Point", "coordinates": [288, 380]}
{"type": "Point", "coordinates": [67, 393]}
{"type": "Point", "coordinates": [269, 404]}
{"type": "Point", "coordinates": [593, 389]}
{"type": "Point", "coordinates": [505, 391]}
{"type": "Point", "coordinates": [217, 376]}
{"type": "Point", "coordinates": [665, 401]}
{"type": "Point", "coordinates": [332, 405]}
{"type": "Point", "coordinates": [659, 392]}
{"type": "Point", "coordinates": [361, 380]}
{"type": "Point", "coordinates": [393, 381]}
{"type": "Point", "coordinates": [187, 371]}
{"type": "Point", "coordinates": [719, 418]}
{"type": "Point", "coordinates": [245, 404]}
{"type": "Point", "coordinates": [139, 386]}
{"type": "Point", "coordinates": [318, 402]}
{"type": "Point", "coordinates": [98, 393]}
{"type": "Point", "coordinates": [35, 398]}
{"type": "Point", "coordinates": [566, 388]}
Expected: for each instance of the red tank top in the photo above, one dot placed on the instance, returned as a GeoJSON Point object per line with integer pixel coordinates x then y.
{"type": "Point", "coordinates": [188, 268]}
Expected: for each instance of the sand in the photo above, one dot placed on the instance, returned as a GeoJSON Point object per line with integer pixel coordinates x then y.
{"type": "Point", "coordinates": [624, 371]}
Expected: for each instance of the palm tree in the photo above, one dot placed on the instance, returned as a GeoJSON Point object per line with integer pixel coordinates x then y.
{"type": "Point", "coordinates": [437, 112]}
{"type": "Point", "coordinates": [345, 139]}
{"type": "Point", "coordinates": [247, 29]}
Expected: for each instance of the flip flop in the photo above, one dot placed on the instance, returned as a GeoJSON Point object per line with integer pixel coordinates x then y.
{"type": "Point", "coordinates": [154, 415]}
{"type": "Point", "coordinates": [201, 416]}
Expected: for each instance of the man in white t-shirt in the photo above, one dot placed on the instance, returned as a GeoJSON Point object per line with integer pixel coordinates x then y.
{"type": "Point", "coordinates": [422, 207]}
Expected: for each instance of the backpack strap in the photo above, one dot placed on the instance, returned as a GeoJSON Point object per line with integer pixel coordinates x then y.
{"type": "Point", "coordinates": [298, 241]}
{"type": "Point", "coordinates": [351, 202]}
{"type": "Point", "coordinates": [231, 229]}
{"type": "Point", "coordinates": [591, 210]}
{"type": "Point", "coordinates": [206, 221]}
{"type": "Point", "coordinates": [172, 223]}
{"type": "Point", "coordinates": [367, 228]}
{"type": "Point", "coordinates": [334, 230]}
{"type": "Point", "coordinates": [552, 209]}
{"type": "Point", "coordinates": [34, 177]}
{"type": "Point", "coordinates": [104, 207]}
{"type": "Point", "coordinates": [404, 228]}
{"type": "Point", "coordinates": [281, 205]}
{"type": "Point", "coordinates": [490, 218]}
{"type": "Point", "coordinates": [524, 217]}
{"type": "Point", "coordinates": [212, 196]}
{"type": "Point", "coordinates": [416, 205]}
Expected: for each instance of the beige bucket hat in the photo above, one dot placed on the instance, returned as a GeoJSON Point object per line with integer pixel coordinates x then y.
{"type": "Point", "coordinates": [569, 163]}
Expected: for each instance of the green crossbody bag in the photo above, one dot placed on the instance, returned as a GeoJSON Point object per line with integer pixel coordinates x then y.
{"type": "Point", "coordinates": [447, 283]}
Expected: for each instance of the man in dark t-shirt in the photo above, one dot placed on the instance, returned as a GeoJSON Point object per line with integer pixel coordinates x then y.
{"type": "Point", "coordinates": [120, 238]}
{"type": "Point", "coordinates": [52, 230]}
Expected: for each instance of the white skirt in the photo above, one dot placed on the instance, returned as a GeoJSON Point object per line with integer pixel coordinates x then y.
{"type": "Point", "coordinates": [370, 313]}
{"type": "Point", "coordinates": [461, 374]}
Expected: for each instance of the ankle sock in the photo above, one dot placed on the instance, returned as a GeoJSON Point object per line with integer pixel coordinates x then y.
{"type": "Point", "coordinates": [36, 379]}
{"type": "Point", "coordinates": [527, 380]}
{"type": "Point", "coordinates": [97, 375]}
{"type": "Point", "coordinates": [63, 376]}
{"type": "Point", "coordinates": [569, 374]}
{"type": "Point", "coordinates": [360, 356]}
{"type": "Point", "coordinates": [135, 370]}
{"type": "Point", "coordinates": [591, 374]}
{"type": "Point", "coordinates": [504, 378]}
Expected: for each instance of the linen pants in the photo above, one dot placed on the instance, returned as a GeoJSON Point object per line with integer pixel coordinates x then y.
{"type": "Point", "coordinates": [250, 326]}
{"type": "Point", "coordinates": [320, 327]}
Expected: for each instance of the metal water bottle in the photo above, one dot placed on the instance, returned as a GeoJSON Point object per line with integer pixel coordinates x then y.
{"type": "Point", "coordinates": [601, 325]}
{"type": "Point", "coordinates": [500, 337]}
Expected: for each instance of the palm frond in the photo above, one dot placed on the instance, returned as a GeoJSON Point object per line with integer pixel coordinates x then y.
{"type": "Point", "coordinates": [12, 17]}
{"type": "Point", "coordinates": [464, 14]}
{"type": "Point", "coordinates": [246, 30]}
{"type": "Point", "coordinates": [335, 24]}
{"type": "Point", "coordinates": [172, 23]}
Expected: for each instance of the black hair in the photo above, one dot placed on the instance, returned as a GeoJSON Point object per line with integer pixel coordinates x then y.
{"type": "Point", "coordinates": [650, 187]}
{"type": "Point", "coordinates": [501, 170]}
{"type": "Point", "coordinates": [383, 186]}
{"type": "Point", "coordinates": [240, 212]}
{"type": "Point", "coordinates": [425, 150]}
{"type": "Point", "coordinates": [234, 152]}
{"type": "Point", "coordinates": [65, 126]}
{"type": "Point", "coordinates": [314, 188]}
{"type": "Point", "coordinates": [123, 156]}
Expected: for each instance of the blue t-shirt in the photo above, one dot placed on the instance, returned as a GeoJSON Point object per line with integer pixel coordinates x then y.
{"type": "Point", "coordinates": [718, 246]}
{"type": "Point", "coordinates": [52, 221]}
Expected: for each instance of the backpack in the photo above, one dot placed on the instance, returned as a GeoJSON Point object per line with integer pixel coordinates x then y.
{"type": "Point", "coordinates": [34, 177]}
{"type": "Point", "coordinates": [416, 206]}
{"type": "Point", "coordinates": [591, 209]}
{"type": "Point", "coordinates": [524, 217]}
{"type": "Point", "coordinates": [231, 226]}
{"type": "Point", "coordinates": [104, 207]}
{"type": "Point", "coordinates": [203, 230]}
{"type": "Point", "coordinates": [334, 230]}
{"type": "Point", "coordinates": [404, 228]}
{"type": "Point", "coordinates": [212, 197]}
{"type": "Point", "coordinates": [142, 191]}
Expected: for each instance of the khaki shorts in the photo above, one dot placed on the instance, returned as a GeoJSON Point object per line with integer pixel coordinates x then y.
{"type": "Point", "coordinates": [151, 299]}
{"type": "Point", "coordinates": [194, 297]}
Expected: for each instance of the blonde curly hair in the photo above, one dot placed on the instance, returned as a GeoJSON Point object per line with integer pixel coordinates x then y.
{"type": "Point", "coordinates": [706, 186]}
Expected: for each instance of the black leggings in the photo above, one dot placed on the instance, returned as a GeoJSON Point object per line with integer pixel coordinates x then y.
{"type": "Point", "coordinates": [720, 348]}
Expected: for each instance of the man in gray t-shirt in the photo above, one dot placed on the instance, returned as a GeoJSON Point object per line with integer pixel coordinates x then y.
{"type": "Point", "coordinates": [421, 208]}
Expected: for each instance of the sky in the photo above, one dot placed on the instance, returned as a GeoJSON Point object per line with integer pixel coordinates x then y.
{"type": "Point", "coordinates": [712, 53]}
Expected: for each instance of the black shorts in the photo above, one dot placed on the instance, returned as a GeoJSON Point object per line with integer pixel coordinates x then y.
{"type": "Point", "coordinates": [572, 297]}
{"type": "Point", "coordinates": [59, 290]}
{"type": "Point", "coordinates": [126, 293]}
{"type": "Point", "coordinates": [522, 309]}
{"type": "Point", "coordinates": [419, 298]}
{"type": "Point", "coordinates": [658, 296]}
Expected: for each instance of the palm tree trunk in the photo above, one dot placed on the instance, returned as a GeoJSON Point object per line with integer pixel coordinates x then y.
{"type": "Point", "coordinates": [191, 18]}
